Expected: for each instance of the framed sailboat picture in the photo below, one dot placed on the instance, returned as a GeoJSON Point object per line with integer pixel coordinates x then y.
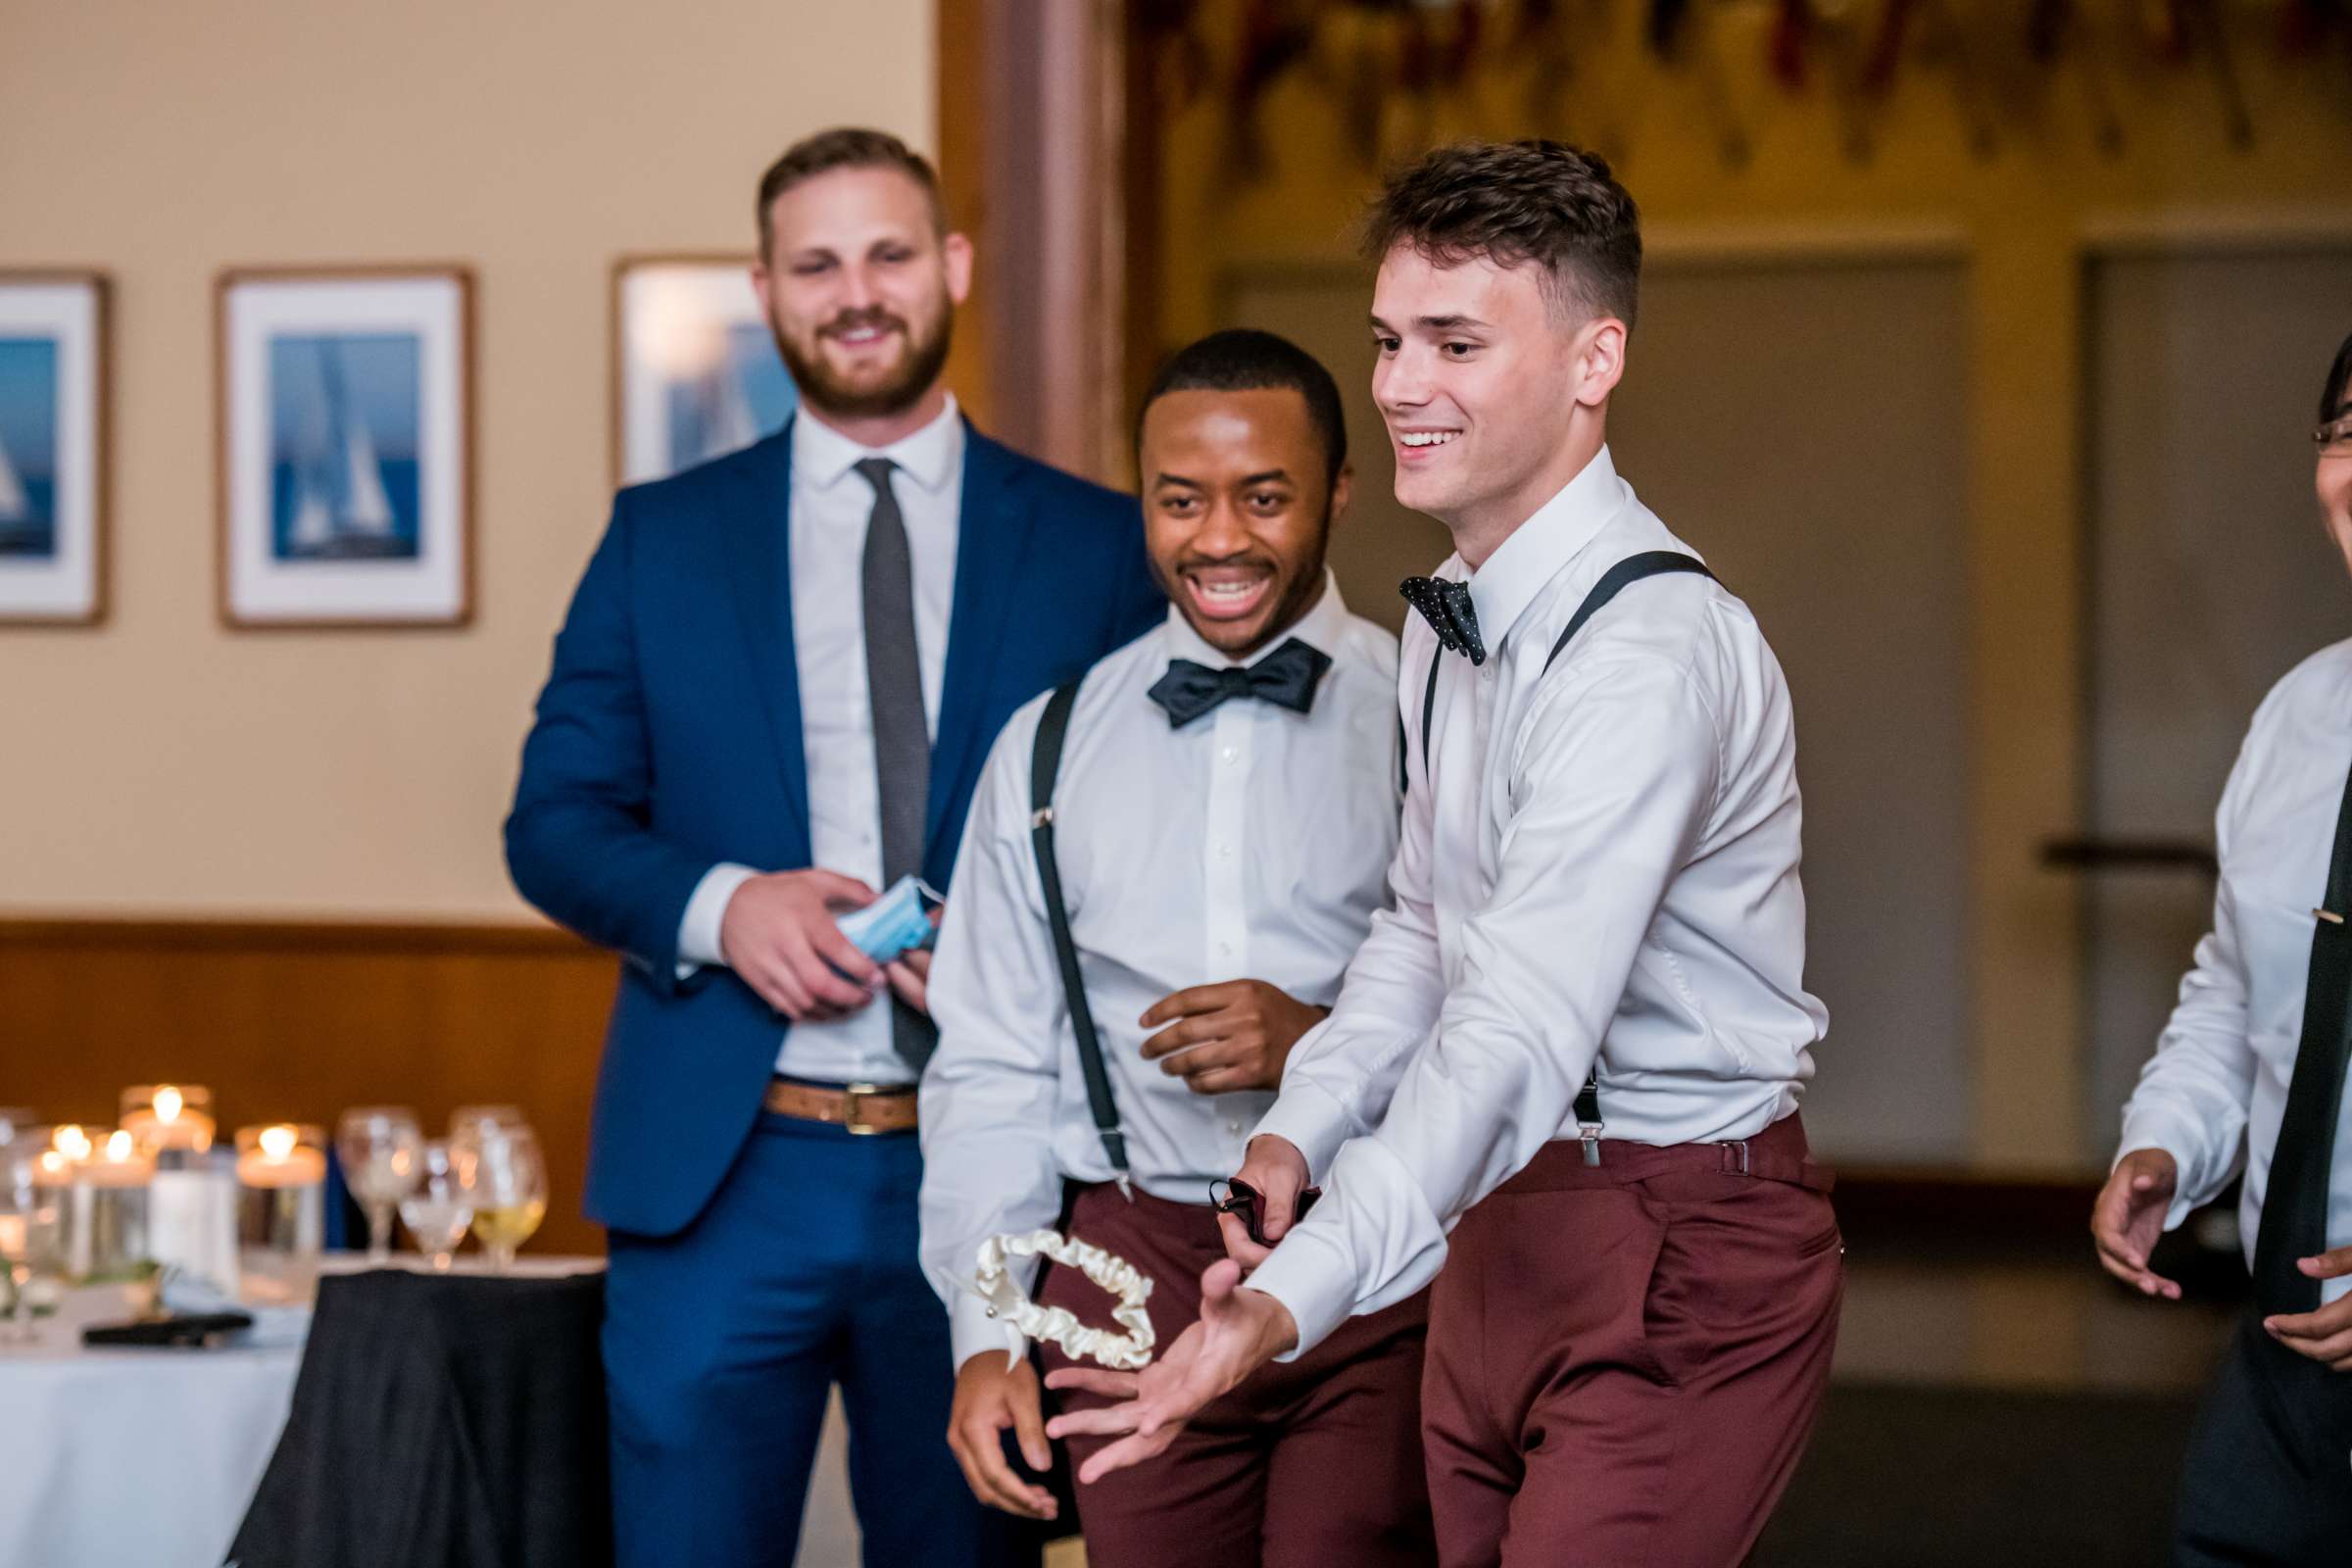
{"type": "Point", "coordinates": [346, 447]}
{"type": "Point", "coordinates": [695, 371]}
{"type": "Point", "coordinates": [52, 448]}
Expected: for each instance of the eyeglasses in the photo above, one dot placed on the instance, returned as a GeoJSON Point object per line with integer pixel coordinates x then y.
{"type": "Point", "coordinates": [2334, 438]}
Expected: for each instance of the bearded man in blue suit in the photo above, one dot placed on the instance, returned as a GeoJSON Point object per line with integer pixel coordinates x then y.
{"type": "Point", "coordinates": [773, 695]}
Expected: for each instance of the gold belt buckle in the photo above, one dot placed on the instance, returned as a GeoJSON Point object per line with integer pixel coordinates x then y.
{"type": "Point", "coordinates": [852, 1110]}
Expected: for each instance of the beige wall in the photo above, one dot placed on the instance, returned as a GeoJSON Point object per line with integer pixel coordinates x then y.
{"type": "Point", "coordinates": [163, 763]}
{"type": "Point", "coordinates": [2022, 219]}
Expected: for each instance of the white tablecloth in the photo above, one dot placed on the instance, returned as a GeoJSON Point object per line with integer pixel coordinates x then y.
{"type": "Point", "coordinates": [130, 1458]}
{"type": "Point", "coordinates": [146, 1458]}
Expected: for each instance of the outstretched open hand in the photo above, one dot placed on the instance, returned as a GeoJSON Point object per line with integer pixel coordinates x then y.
{"type": "Point", "coordinates": [1238, 1332]}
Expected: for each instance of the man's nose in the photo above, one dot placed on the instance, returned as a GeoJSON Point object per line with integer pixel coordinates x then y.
{"type": "Point", "coordinates": [1400, 381]}
{"type": "Point", "coordinates": [1222, 531]}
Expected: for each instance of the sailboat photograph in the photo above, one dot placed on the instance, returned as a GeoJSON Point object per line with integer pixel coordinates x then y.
{"type": "Point", "coordinates": [28, 447]}
{"type": "Point", "coordinates": [345, 463]}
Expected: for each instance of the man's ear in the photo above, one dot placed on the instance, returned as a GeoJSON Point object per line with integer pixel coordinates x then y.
{"type": "Point", "coordinates": [1600, 360]}
{"type": "Point", "coordinates": [1343, 487]}
{"type": "Point", "coordinates": [956, 251]}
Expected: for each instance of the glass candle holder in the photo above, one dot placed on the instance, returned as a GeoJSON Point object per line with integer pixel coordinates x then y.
{"type": "Point", "coordinates": [171, 1123]}
{"type": "Point", "coordinates": [104, 1201]}
{"type": "Point", "coordinates": [281, 1185]}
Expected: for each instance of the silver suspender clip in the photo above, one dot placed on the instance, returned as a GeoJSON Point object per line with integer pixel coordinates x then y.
{"type": "Point", "coordinates": [1125, 1185]}
{"type": "Point", "coordinates": [1588, 1132]}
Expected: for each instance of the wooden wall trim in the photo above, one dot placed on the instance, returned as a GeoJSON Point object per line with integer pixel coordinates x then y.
{"type": "Point", "coordinates": [236, 934]}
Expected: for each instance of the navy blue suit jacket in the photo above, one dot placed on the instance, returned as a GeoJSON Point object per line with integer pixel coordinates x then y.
{"type": "Point", "coordinates": [669, 739]}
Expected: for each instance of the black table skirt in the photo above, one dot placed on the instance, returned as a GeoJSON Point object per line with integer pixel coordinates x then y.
{"type": "Point", "coordinates": [452, 1420]}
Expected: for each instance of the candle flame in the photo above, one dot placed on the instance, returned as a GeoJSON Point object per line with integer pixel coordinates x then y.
{"type": "Point", "coordinates": [168, 1103]}
{"type": "Point", "coordinates": [118, 1145]}
{"type": "Point", "coordinates": [279, 1142]}
{"type": "Point", "coordinates": [71, 1142]}
{"type": "Point", "coordinates": [53, 1164]}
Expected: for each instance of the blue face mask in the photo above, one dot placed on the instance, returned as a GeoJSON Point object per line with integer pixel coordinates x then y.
{"type": "Point", "coordinates": [896, 924]}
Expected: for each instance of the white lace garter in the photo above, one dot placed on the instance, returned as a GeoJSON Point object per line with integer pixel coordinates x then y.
{"type": "Point", "coordinates": [1009, 1304]}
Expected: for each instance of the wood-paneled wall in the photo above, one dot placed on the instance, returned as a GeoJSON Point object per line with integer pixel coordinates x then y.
{"type": "Point", "coordinates": [293, 1022]}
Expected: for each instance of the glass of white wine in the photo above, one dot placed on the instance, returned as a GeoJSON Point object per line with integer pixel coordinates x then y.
{"type": "Point", "coordinates": [378, 1146]}
{"type": "Point", "coordinates": [440, 1208]}
{"type": "Point", "coordinates": [510, 1188]}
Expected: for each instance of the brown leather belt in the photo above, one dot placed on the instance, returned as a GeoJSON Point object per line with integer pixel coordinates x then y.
{"type": "Point", "coordinates": [861, 1108]}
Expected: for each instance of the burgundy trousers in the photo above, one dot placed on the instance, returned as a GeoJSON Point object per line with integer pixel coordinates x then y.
{"type": "Point", "coordinates": [1625, 1359]}
{"type": "Point", "coordinates": [1312, 1464]}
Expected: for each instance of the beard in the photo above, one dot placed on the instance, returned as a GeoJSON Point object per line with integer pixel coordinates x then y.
{"type": "Point", "coordinates": [900, 389]}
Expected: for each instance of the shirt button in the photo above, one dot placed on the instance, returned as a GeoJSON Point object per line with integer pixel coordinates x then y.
{"type": "Point", "coordinates": [1231, 754]}
{"type": "Point", "coordinates": [1234, 1128]}
{"type": "Point", "coordinates": [1224, 949]}
{"type": "Point", "coordinates": [1224, 852]}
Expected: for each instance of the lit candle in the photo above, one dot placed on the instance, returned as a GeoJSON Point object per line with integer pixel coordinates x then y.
{"type": "Point", "coordinates": [119, 1162]}
{"type": "Point", "coordinates": [71, 1142]}
{"type": "Point", "coordinates": [168, 1116]}
{"type": "Point", "coordinates": [277, 1158]}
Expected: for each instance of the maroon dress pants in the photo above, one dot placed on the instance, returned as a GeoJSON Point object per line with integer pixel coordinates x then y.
{"type": "Point", "coordinates": [1312, 1464]}
{"type": "Point", "coordinates": [1625, 1359]}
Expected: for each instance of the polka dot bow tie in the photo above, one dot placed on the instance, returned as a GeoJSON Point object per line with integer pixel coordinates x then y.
{"type": "Point", "coordinates": [1446, 607]}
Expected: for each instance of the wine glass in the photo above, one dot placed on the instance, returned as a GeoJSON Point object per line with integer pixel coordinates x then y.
{"type": "Point", "coordinates": [440, 1208]}
{"type": "Point", "coordinates": [29, 1232]}
{"type": "Point", "coordinates": [467, 1121]}
{"type": "Point", "coordinates": [379, 1146]}
{"type": "Point", "coordinates": [510, 1188]}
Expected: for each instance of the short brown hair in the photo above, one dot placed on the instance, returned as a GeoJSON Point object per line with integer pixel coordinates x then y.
{"type": "Point", "coordinates": [1516, 202]}
{"type": "Point", "coordinates": [845, 147]}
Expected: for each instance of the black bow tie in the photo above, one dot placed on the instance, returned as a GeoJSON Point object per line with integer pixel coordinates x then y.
{"type": "Point", "coordinates": [1446, 607]}
{"type": "Point", "coordinates": [1286, 677]}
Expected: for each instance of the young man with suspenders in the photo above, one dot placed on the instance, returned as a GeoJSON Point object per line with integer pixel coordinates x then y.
{"type": "Point", "coordinates": [1566, 1064]}
{"type": "Point", "coordinates": [1215, 800]}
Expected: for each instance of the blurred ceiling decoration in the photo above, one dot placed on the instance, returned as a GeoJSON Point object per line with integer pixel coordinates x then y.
{"type": "Point", "coordinates": [1392, 68]}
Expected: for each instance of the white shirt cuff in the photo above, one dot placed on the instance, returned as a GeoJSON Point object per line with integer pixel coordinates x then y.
{"type": "Point", "coordinates": [1308, 1274]}
{"type": "Point", "coordinates": [2159, 1130]}
{"type": "Point", "coordinates": [1311, 1121]}
{"type": "Point", "coordinates": [971, 1331]}
{"type": "Point", "coordinates": [706, 914]}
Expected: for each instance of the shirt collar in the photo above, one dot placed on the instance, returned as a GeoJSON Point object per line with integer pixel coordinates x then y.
{"type": "Point", "coordinates": [930, 457]}
{"type": "Point", "coordinates": [1322, 628]}
{"type": "Point", "coordinates": [1537, 549]}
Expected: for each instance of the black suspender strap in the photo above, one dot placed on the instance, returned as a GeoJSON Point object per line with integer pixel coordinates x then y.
{"type": "Point", "coordinates": [1045, 766]}
{"type": "Point", "coordinates": [1429, 706]}
{"type": "Point", "coordinates": [1632, 569]}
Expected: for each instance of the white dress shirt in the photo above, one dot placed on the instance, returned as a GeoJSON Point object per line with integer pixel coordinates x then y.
{"type": "Point", "coordinates": [1607, 861]}
{"type": "Point", "coordinates": [2213, 1094]}
{"type": "Point", "coordinates": [1249, 844]}
{"type": "Point", "coordinates": [831, 505]}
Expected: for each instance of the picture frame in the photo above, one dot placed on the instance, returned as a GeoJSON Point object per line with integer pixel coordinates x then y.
{"type": "Point", "coordinates": [54, 459]}
{"type": "Point", "coordinates": [694, 370]}
{"type": "Point", "coordinates": [345, 446]}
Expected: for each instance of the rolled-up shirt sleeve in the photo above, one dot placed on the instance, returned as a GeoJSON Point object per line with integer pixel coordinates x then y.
{"type": "Point", "coordinates": [1342, 1073]}
{"type": "Point", "coordinates": [1616, 772]}
{"type": "Point", "coordinates": [988, 1093]}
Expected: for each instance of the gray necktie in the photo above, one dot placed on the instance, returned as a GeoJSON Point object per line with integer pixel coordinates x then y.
{"type": "Point", "coordinates": [894, 679]}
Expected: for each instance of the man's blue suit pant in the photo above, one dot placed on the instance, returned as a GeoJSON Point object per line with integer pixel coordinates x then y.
{"type": "Point", "coordinates": [722, 1342]}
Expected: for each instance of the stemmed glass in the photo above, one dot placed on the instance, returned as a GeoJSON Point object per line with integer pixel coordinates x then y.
{"type": "Point", "coordinates": [379, 1146]}
{"type": "Point", "coordinates": [510, 1188]}
{"type": "Point", "coordinates": [441, 1207]}
{"type": "Point", "coordinates": [467, 1121]}
{"type": "Point", "coordinates": [28, 1229]}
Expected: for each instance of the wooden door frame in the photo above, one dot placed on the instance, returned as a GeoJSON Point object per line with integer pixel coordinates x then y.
{"type": "Point", "coordinates": [1032, 144]}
